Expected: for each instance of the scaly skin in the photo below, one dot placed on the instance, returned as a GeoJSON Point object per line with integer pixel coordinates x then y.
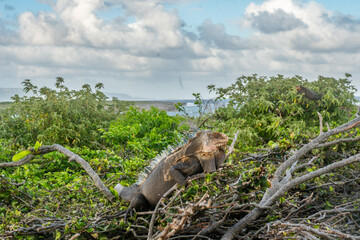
{"type": "Point", "coordinates": [203, 153]}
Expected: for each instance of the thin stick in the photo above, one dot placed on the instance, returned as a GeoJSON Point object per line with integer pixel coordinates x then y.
{"type": "Point", "coordinates": [152, 221]}
{"type": "Point", "coordinates": [231, 148]}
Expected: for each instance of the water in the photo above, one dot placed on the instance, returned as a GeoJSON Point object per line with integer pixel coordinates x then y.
{"type": "Point", "coordinates": [192, 110]}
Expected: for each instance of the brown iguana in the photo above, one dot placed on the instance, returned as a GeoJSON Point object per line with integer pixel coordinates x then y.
{"type": "Point", "coordinates": [203, 153]}
{"type": "Point", "coordinates": [308, 93]}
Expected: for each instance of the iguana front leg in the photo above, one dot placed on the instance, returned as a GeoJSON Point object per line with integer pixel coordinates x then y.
{"type": "Point", "coordinates": [207, 161]}
{"type": "Point", "coordinates": [182, 170]}
{"type": "Point", "coordinates": [219, 158]}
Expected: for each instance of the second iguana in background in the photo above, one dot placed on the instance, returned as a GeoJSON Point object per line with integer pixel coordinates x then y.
{"type": "Point", "coordinates": [203, 153]}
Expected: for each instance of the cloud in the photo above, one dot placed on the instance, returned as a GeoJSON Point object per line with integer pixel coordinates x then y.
{"type": "Point", "coordinates": [76, 22]}
{"type": "Point", "coordinates": [9, 7]}
{"type": "Point", "coordinates": [144, 49]}
{"type": "Point", "coordinates": [277, 21]}
{"type": "Point", "coordinates": [343, 21]}
{"type": "Point", "coordinates": [215, 34]}
{"type": "Point", "coordinates": [44, 29]}
{"type": "Point", "coordinates": [303, 27]}
{"type": "Point", "coordinates": [73, 40]}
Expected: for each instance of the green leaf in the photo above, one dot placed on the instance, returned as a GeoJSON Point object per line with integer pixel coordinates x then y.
{"type": "Point", "coordinates": [20, 155]}
{"type": "Point", "coordinates": [37, 145]}
{"type": "Point", "coordinates": [58, 235]}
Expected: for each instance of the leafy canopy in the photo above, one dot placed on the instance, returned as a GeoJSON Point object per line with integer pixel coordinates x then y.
{"type": "Point", "coordinates": [63, 116]}
{"type": "Point", "coordinates": [270, 109]}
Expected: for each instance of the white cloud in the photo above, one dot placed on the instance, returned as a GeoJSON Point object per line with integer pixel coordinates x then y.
{"type": "Point", "coordinates": [146, 47]}
{"type": "Point", "coordinates": [320, 34]}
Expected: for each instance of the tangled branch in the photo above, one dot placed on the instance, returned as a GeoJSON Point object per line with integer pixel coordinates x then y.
{"type": "Point", "coordinates": [284, 180]}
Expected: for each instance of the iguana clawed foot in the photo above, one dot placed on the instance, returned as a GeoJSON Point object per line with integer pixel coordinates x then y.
{"type": "Point", "coordinates": [128, 212]}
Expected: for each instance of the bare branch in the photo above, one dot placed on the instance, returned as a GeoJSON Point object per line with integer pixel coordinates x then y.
{"type": "Point", "coordinates": [151, 226]}
{"type": "Point", "coordinates": [231, 148]}
{"type": "Point", "coordinates": [23, 161]}
{"type": "Point", "coordinates": [320, 122]}
{"type": "Point", "coordinates": [306, 164]}
{"type": "Point", "coordinates": [328, 144]}
{"type": "Point", "coordinates": [282, 184]}
{"type": "Point", "coordinates": [310, 146]}
{"type": "Point", "coordinates": [72, 156]}
{"type": "Point", "coordinates": [311, 175]}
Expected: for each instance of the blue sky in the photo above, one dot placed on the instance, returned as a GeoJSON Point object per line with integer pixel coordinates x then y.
{"type": "Point", "coordinates": [171, 49]}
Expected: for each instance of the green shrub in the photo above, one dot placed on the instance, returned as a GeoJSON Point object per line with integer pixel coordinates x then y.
{"type": "Point", "coordinates": [60, 116]}
{"type": "Point", "coordinates": [270, 109]}
{"type": "Point", "coordinates": [144, 133]}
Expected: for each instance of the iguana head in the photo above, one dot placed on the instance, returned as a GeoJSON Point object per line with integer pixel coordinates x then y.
{"type": "Point", "coordinates": [207, 146]}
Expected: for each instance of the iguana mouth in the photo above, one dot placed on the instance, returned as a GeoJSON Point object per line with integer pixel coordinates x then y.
{"type": "Point", "coordinates": [220, 144]}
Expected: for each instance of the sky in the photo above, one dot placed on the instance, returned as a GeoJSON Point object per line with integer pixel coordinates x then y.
{"type": "Point", "coordinates": [169, 49]}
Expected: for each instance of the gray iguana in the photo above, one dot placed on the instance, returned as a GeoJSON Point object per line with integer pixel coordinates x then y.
{"type": "Point", "coordinates": [203, 153]}
{"type": "Point", "coordinates": [308, 93]}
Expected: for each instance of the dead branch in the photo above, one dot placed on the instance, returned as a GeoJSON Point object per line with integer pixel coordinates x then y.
{"type": "Point", "coordinates": [75, 236]}
{"type": "Point", "coordinates": [178, 223]}
{"type": "Point", "coordinates": [26, 159]}
{"type": "Point", "coordinates": [72, 157]}
{"type": "Point", "coordinates": [343, 140]}
{"type": "Point", "coordinates": [283, 179]}
{"type": "Point", "coordinates": [324, 233]}
{"type": "Point", "coordinates": [151, 226]}
{"type": "Point", "coordinates": [231, 148]}
{"type": "Point", "coordinates": [320, 122]}
{"type": "Point", "coordinates": [215, 225]}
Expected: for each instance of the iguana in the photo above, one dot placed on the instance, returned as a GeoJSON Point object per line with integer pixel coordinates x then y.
{"type": "Point", "coordinates": [203, 153]}
{"type": "Point", "coordinates": [308, 93]}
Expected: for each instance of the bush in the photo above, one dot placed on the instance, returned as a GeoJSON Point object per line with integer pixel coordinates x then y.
{"type": "Point", "coordinates": [144, 133]}
{"type": "Point", "coordinates": [62, 116]}
{"type": "Point", "coordinates": [270, 109]}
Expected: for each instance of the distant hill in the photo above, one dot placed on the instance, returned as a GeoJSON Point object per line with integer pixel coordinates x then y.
{"type": "Point", "coordinates": [7, 93]}
{"type": "Point", "coordinates": [121, 96]}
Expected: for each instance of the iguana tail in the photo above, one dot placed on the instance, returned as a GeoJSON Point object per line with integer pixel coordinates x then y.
{"type": "Point", "coordinates": [126, 193]}
{"type": "Point", "coordinates": [118, 188]}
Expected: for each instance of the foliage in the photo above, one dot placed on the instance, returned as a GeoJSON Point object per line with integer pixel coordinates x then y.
{"type": "Point", "coordinates": [269, 109]}
{"type": "Point", "coordinates": [53, 192]}
{"type": "Point", "coordinates": [144, 133]}
{"type": "Point", "coordinates": [54, 188]}
{"type": "Point", "coordinates": [60, 116]}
